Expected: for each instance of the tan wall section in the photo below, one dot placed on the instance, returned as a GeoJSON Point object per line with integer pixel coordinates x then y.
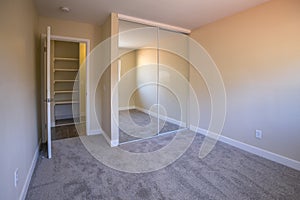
{"type": "Point", "coordinates": [107, 103]}
{"type": "Point", "coordinates": [114, 79]}
{"type": "Point", "coordinates": [172, 76]}
{"type": "Point", "coordinates": [128, 79]}
{"type": "Point", "coordinates": [146, 79]}
{"type": "Point", "coordinates": [71, 29]}
{"type": "Point", "coordinates": [103, 93]}
{"type": "Point", "coordinates": [128, 62]}
{"type": "Point", "coordinates": [82, 79]}
{"type": "Point", "coordinates": [20, 101]}
{"type": "Point", "coordinates": [174, 87]}
{"type": "Point", "coordinates": [258, 55]}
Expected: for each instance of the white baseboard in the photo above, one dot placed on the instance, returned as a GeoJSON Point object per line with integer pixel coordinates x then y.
{"type": "Point", "coordinates": [252, 149]}
{"type": "Point", "coordinates": [112, 143]}
{"type": "Point", "coordinates": [126, 108]}
{"type": "Point", "coordinates": [162, 117]}
{"type": "Point", "coordinates": [30, 173]}
{"type": "Point", "coordinates": [173, 121]}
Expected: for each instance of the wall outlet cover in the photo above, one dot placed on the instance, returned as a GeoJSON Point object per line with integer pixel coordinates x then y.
{"type": "Point", "coordinates": [258, 134]}
{"type": "Point", "coordinates": [16, 177]}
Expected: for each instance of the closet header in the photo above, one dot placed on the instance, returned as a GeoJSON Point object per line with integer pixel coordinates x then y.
{"type": "Point", "coordinates": [152, 23]}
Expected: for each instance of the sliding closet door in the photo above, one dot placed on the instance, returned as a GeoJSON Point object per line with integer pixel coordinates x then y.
{"type": "Point", "coordinates": [173, 88]}
{"type": "Point", "coordinates": [138, 77]}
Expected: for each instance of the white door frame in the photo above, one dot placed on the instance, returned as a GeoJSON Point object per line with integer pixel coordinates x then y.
{"type": "Point", "coordinates": [87, 42]}
{"type": "Point", "coordinates": [48, 91]}
{"type": "Point", "coordinates": [87, 85]}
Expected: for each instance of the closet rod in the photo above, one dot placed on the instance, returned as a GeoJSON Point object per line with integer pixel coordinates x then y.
{"type": "Point", "coordinates": [152, 23]}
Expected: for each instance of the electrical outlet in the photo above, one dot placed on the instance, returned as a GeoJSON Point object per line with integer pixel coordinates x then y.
{"type": "Point", "coordinates": [16, 177]}
{"type": "Point", "coordinates": [258, 134]}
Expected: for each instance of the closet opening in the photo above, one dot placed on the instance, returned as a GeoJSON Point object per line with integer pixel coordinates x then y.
{"type": "Point", "coordinates": [68, 87]}
{"type": "Point", "coordinates": [67, 108]}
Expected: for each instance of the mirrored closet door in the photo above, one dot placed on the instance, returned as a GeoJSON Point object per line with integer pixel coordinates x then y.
{"type": "Point", "coordinates": [138, 76]}
{"type": "Point", "coordinates": [153, 88]}
{"type": "Point", "coordinates": [173, 81]}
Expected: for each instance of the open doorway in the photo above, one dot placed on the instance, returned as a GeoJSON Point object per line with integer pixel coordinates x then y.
{"type": "Point", "coordinates": [68, 91]}
{"type": "Point", "coordinates": [68, 86]}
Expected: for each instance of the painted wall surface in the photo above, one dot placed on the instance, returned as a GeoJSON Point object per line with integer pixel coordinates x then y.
{"type": "Point", "coordinates": [101, 103]}
{"type": "Point", "coordinates": [71, 29]}
{"type": "Point", "coordinates": [168, 83]}
{"type": "Point", "coordinates": [127, 79]}
{"type": "Point", "coordinates": [20, 101]}
{"type": "Point", "coordinates": [146, 79]}
{"type": "Point", "coordinates": [173, 85]}
{"type": "Point", "coordinates": [106, 102]}
{"type": "Point", "coordinates": [82, 79]}
{"type": "Point", "coordinates": [77, 30]}
{"type": "Point", "coordinates": [114, 79]}
{"type": "Point", "coordinates": [258, 55]}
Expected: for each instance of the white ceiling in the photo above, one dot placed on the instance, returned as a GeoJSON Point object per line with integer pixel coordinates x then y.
{"type": "Point", "coordinates": [188, 14]}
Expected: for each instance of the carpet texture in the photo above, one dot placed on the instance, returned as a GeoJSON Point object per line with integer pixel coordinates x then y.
{"type": "Point", "coordinates": [226, 173]}
{"type": "Point", "coordinates": [134, 121]}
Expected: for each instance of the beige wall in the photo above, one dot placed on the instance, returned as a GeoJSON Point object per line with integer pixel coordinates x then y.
{"type": "Point", "coordinates": [127, 81]}
{"type": "Point", "coordinates": [174, 86]}
{"type": "Point", "coordinates": [114, 79]}
{"type": "Point", "coordinates": [105, 102]}
{"type": "Point", "coordinates": [128, 62]}
{"type": "Point", "coordinates": [78, 30]}
{"type": "Point", "coordinates": [173, 77]}
{"type": "Point", "coordinates": [258, 55]}
{"type": "Point", "coordinates": [82, 79]}
{"type": "Point", "coordinates": [103, 93]}
{"type": "Point", "coordinates": [146, 79]}
{"type": "Point", "coordinates": [71, 29]}
{"type": "Point", "coordinates": [19, 93]}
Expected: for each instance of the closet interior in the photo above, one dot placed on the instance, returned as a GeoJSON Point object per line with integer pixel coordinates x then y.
{"type": "Point", "coordinates": [68, 87]}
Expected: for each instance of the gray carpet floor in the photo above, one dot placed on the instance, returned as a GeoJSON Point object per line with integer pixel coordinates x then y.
{"type": "Point", "coordinates": [226, 173]}
{"type": "Point", "coordinates": [129, 120]}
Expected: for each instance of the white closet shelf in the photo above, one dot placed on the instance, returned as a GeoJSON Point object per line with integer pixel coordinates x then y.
{"type": "Point", "coordinates": [65, 70]}
{"type": "Point", "coordinates": [65, 91]}
{"type": "Point", "coordinates": [65, 59]}
{"type": "Point", "coordinates": [65, 81]}
{"type": "Point", "coordinates": [65, 102]}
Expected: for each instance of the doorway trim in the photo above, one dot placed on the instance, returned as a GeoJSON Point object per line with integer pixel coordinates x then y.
{"type": "Point", "coordinates": [87, 42]}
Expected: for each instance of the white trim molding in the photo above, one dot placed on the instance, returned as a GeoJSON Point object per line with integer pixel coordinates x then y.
{"type": "Point", "coordinates": [251, 149]}
{"type": "Point", "coordinates": [112, 143]}
{"type": "Point", "coordinates": [153, 23]}
{"type": "Point", "coordinates": [162, 117]}
{"type": "Point", "coordinates": [30, 173]}
{"type": "Point", "coordinates": [126, 108]}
